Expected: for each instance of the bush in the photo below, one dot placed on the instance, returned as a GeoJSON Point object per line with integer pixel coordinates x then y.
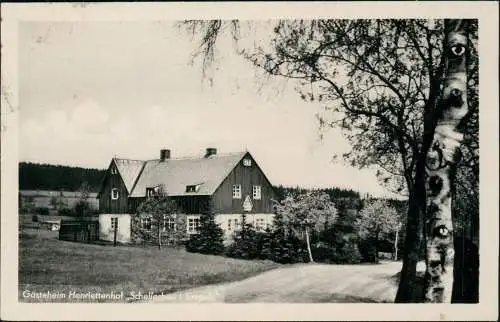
{"type": "Point", "coordinates": [43, 211]}
{"type": "Point", "coordinates": [82, 209]}
{"type": "Point", "coordinates": [247, 244]}
{"type": "Point", "coordinates": [209, 240]}
{"type": "Point", "coordinates": [285, 250]}
{"type": "Point", "coordinates": [66, 212]}
{"type": "Point", "coordinates": [368, 250]}
{"type": "Point", "coordinates": [34, 218]}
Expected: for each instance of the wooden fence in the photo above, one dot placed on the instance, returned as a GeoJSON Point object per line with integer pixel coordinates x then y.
{"type": "Point", "coordinates": [79, 231]}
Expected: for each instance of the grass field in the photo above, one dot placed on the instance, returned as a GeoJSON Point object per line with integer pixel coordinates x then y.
{"type": "Point", "coordinates": [72, 270]}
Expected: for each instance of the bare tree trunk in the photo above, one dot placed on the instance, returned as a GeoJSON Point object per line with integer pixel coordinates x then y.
{"type": "Point", "coordinates": [309, 246]}
{"type": "Point", "coordinates": [441, 162]}
{"type": "Point", "coordinates": [409, 290]}
{"type": "Point", "coordinates": [396, 243]}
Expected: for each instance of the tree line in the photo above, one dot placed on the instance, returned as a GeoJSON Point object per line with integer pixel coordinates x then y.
{"type": "Point", "coordinates": [35, 176]}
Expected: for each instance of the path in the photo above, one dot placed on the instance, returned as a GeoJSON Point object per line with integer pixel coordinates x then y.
{"type": "Point", "coordinates": [306, 283]}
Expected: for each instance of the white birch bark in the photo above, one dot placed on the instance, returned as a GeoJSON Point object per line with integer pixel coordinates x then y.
{"type": "Point", "coordinates": [441, 161]}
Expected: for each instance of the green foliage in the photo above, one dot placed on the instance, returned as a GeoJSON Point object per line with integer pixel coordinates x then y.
{"type": "Point", "coordinates": [209, 239]}
{"type": "Point", "coordinates": [33, 176]}
{"type": "Point", "coordinates": [82, 209]}
{"type": "Point", "coordinates": [66, 212]}
{"type": "Point", "coordinates": [57, 202]}
{"type": "Point", "coordinates": [377, 221]}
{"type": "Point", "coordinates": [156, 211]}
{"type": "Point", "coordinates": [247, 243]}
{"type": "Point", "coordinates": [334, 193]}
{"type": "Point", "coordinates": [43, 211]}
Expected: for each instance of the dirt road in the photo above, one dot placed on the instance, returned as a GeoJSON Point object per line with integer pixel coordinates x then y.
{"type": "Point", "coordinates": [306, 283]}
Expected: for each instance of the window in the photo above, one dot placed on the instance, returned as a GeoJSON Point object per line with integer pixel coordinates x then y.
{"type": "Point", "coordinates": [169, 223]}
{"type": "Point", "coordinates": [256, 192]}
{"type": "Point", "coordinates": [150, 192]}
{"type": "Point", "coordinates": [247, 162]}
{"type": "Point", "coordinates": [114, 170]}
{"type": "Point", "coordinates": [192, 188]}
{"type": "Point", "coordinates": [114, 194]}
{"type": "Point", "coordinates": [114, 223]}
{"type": "Point", "coordinates": [146, 223]}
{"type": "Point", "coordinates": [237, 191]}
{"type": "Point", "coordinates": [193, 223]}
{"type": "Point", "coordinates": [233, 224]}
{"type": "Point", "coordinates": [260, 224]}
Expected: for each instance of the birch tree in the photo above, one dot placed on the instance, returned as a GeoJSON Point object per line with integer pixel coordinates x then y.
{"type": "Point", "coordinates": [441, 164]}
{"type": "Point", "coordinates": [377, 220]}
{"type": "Point", "coordinates": [305, 212]}
{"type": "Point", "coordinates": [157, 210]}
{"type": "Point", "coordinates": [381, 83]}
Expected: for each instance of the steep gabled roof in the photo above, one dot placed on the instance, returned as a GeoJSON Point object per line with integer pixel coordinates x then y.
{"type": "Point", "coordinates": [176, 174]}
{"type": "Point", "coordinates": [129, 170]}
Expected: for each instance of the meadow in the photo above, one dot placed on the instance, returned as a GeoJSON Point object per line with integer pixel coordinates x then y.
{"type": "Point", "coordinates": [48, 265]}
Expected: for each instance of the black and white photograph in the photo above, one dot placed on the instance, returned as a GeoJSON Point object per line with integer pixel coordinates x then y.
{"type": "Point", "coordinates": [158, 154]}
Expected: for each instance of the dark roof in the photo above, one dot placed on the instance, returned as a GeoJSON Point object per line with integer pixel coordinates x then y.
{"type": "Point", "coordinates": [175, 174]}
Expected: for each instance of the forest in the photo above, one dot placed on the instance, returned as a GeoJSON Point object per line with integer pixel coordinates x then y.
{"type": "Point", "coordinates": [35, 176]}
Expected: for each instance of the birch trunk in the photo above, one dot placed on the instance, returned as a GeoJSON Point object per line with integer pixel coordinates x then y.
{"type": "Point", "coordinates": [309, 246]}
{"type": "Point", "coordinates": [440, 165]}
{"type": "Point", "coordinates": [396, 243]}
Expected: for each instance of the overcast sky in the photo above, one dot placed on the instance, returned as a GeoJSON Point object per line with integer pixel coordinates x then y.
{"type": "Point", "coordinates": [89, 91]}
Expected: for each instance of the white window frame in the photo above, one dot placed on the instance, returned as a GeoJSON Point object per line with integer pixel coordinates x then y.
{"type": "Point", "coordinates": [257, 192]}
{"type": "Point", "coordinates": [114, 170]}
{"type": "Point", "coordinates": [113, 197]}
{"type": "Point", "coordinates": [236, 191]}
{"type": "Point", "coordinates": [260, 224]}
{"type": "Point", "coordinates": [144, 220]}
{"type": "Point", "coordinates": [114, 221]}
{"type": "Point", "coordinates": [189, 228]}
{"type": "Point", "coordinates": [167, 221]}
{"type": "Point", "coordinates": [247, 162]}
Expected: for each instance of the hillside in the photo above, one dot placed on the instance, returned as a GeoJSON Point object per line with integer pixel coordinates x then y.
{"type": "Point", "coordinates": [34, 176]}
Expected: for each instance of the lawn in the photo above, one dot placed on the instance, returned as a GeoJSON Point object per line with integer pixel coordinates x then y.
{"type": "Point", "coordinates": [47, 264]}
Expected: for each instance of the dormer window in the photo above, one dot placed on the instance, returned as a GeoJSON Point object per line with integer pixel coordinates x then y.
{"type": "Point", "coordinates": [247, 162]}
{"type": "Point", "coordinates": [192, 188]}
{"type": "Point", "coordinates": [151, 192]}
{"type": "Point", "coordinates": [114, 194]}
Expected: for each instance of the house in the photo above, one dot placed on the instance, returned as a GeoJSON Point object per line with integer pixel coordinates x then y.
{"type": "Point", "coordinates": [232, 184]}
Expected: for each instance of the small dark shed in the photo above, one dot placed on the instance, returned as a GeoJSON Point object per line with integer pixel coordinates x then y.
{"type": "Point", "coordinates": [81, 230]}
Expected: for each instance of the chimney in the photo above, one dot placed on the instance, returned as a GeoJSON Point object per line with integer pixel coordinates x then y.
{"type": "Point", "coordinates": [210, 151]}
{"type": "Point", "coordinates": [164, 154]}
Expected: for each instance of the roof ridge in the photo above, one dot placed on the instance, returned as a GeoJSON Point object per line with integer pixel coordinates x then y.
{"type": "Point", "coordinates": [196, 157]}
{"type": "Point", "coordinates": [127, 159]}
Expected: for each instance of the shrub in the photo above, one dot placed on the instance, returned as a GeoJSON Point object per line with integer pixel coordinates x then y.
{"type": "Point", "coordinates": [368, 250]}
{"type": "Point", "coordinates": [285, 250]}
{"type": "Point", "coordinates": [66, 212]}
{"type": "Point", "coordinates": [82, 209]}
{"type": "Point", "coordinates": [34, 218]}
{"type": "Point", "coordinates": [209, 240]}
{"type": "Point", "coordinates": [42, 211]}
{"type": "Point", "coordinates": [247, 244]}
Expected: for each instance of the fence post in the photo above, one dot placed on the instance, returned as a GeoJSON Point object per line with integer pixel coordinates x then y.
{"type": "Point", "coordinates": [114, 234]}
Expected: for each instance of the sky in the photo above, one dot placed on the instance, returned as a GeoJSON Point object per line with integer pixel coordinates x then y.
{"type": "Point", "coordinates": [89, 91]}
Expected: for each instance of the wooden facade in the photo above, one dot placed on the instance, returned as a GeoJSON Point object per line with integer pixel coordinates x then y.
{"type": "Point", "coordinates": [113, 180]}
{"type": "Point", "coordinates": [247, 177]}
{"type": "Point", "coordinates": [246, 173]}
